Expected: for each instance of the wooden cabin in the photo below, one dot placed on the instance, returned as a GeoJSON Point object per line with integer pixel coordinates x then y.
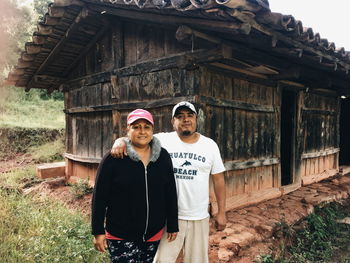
{"type": "Point", "coordinates": [268, 90]}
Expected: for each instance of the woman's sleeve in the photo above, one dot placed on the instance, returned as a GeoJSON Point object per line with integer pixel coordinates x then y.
{"type": "Point", "coordinates": [172, 213]}
{"type": "Point", "coordinates": [100, 196]}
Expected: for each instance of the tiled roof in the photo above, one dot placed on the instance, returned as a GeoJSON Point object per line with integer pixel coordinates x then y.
{"type": "Point", "coordinates": [66, 25]}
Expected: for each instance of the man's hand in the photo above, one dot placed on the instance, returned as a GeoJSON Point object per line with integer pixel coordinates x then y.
{"type": "Point", "coordinates": [172, 236]}
{"type": "Point", "coordinates": [119, 148]}
{"type": "Point", "coordinates": [220, 221]}
{"type": "Point", "coordinates": [100, 243]}
{"type": "Point", "coordinates": [220, 193]}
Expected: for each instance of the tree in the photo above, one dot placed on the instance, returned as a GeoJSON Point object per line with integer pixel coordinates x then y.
{"type": "Point", "coordinates": [40, 8]}
{"type": "Point", "coordinates": [17, 24]}
{"type": "Point", "coordinates": [16, 27]}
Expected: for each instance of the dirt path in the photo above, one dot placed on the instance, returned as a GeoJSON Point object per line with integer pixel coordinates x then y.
{"type": "Point", "coordinates": [19, 161]}
{"type": "Point", "coordinates": [253, 230]}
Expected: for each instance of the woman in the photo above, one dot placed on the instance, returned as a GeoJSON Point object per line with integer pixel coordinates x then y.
{"type": "Point", "coordinates": [135, 197]}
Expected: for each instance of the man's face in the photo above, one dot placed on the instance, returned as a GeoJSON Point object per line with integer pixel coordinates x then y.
{"type": "Point", "coordinates": [185, 122]}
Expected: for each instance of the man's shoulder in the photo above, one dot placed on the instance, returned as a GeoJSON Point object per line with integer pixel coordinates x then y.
{"type": "Point", "coordinates": [206, 139]}
{"type": "Point", "coordinates": [161, 135]}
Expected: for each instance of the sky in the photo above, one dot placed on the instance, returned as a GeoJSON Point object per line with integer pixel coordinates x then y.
{"type": "Point", "coordinates": [329, 18]}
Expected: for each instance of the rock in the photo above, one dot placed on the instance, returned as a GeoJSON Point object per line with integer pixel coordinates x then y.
{"type": "Point", "coordinates": [225, 255]}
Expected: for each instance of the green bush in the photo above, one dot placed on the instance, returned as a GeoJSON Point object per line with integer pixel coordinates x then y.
{"type": "Point", "coordinates": [317, 238]}
{"type": "Point", "coordinates": [81, 188]}
{"type": "Point", "coordinates": [267, 258]}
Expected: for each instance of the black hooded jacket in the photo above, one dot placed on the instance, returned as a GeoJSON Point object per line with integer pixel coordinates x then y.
{"type": "Point", "coordinates": [134, 202]}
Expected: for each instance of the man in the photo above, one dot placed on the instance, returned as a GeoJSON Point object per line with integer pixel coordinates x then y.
{"type": "Point", "coordinates": [195, 157]}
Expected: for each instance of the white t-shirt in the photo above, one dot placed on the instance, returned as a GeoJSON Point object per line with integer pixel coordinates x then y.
{"type": "Point", "coordinates": [193, 163]}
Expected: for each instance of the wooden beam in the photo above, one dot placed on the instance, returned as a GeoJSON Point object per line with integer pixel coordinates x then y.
{"type": "Point", "coordinates": [242, 52]}
{"type": "Point", "coordinates": [21, 64]}
{"type": "Point", "coordinates": [50, 20]}
{"type": "Point", "coordinates": [235, 104]}
{"type": "Point", "coordinates": [174, 20]}
{"type": "Point", "coordinates": [314, 178]}
{"type": "Point", "coordinates": [27, 57]}
{"type": "Point", "coordinates": [60, 45]}
{"type": "Point", "coordinates": [240, 75]}
{"type": "Point", "coordinates": [89, 80]}
{"type": "Point", "coordinates": [246, 199]}
{"type": "Point", "coordinates": [240, 70]}
{"type": "Point", "coordinates": [56, 11]}
{"type": "Point", "coordinates": [83, 159]}
{"type": "Point", "coordinates": [318, 111]}
{"type": "Point", "coordinates": [47, 78]}
{"type": "Point", "coordinates": [13, 77]}
{"type": "Point", "coordinates": [238, 165]}
{"type": "Point", "coordinates": [18, 71]}
{"type": "Point", "coordinates": [134, 70]}
{"type": "Point", "coordinates": [281, 37]}
{"type": "Point", "coordinates": [133, 105]}
{"type": "Point", "coordinates": [185, 32]}
{"type": "Point", "coordinates": [44, 29]}
{"type": "Point", "coordinates": [153, 103]}
{"type": "Point", "coordinates": [239, 51]}
{"type": "Point", "coordinates": [180, 60]}
{"type": "Point", "coordinates": [320, 153]}
{"type": "Point", "coordinates": [118, 49]}
{"type": "Point", "coordinates": [290, 84]}
{"type": "Point", "coordinates": [88, 47]}
{"type": "Point", "coordinates": [32, 48]}
{"type": "Point", "coordinates": [325, 92]}
{"type": "Point", "coordinates": [289, 74]}
{"type": "Point", "coordinates": [89, 109]}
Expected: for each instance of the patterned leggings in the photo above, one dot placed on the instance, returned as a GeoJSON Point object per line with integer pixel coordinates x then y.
{"type": "Point", "coordinates": [122, 251]}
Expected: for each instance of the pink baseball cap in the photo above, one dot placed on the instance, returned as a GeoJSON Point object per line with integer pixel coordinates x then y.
{"type": "Point", "coordinates": [139, 114]}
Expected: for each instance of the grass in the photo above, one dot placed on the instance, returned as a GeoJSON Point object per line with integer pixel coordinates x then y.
{"type": "Point", "coordinates": [48, 152]}
{"type": "Point", "coordinates": [34, 229]}
{"type": "Point", "coordinates": [29, 110]}
{"type": "Point", "coordinates": [318, 238]}
{"type": "Point", "coordinates": [21, 140]}
{"type": "Point", "coordinates": [30, 119]}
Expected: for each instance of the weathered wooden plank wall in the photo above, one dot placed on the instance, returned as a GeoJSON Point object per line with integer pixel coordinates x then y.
{"type": "Point", "coordinates": [320, 116]}
{"type": "Point", "coordinates": [247, 131]}
{"type": "Point", "coordinates": [243, 117]}
{"type": "Point", "coordinates": [143, 42]}
{"type": "Point", "coordinates": [90, 133]}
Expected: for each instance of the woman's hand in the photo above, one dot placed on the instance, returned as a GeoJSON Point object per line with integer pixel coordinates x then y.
{"type": "Point", "coordinates": [172, 236]}
{"type": "Point", "coordinates": [100, 243]}
{"type": "Point", "coordinates": [119, 148]}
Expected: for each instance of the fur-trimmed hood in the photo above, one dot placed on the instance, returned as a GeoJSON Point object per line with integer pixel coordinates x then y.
{"type": "Point", "coordinates": [155, 150]}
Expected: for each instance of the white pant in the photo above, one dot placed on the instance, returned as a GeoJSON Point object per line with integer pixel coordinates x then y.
{"type": "Point", "coordinates": [192, 237]}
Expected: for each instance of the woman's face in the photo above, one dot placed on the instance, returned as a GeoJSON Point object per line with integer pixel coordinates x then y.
{"type": "Point", "coordinates": [140, 133]}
